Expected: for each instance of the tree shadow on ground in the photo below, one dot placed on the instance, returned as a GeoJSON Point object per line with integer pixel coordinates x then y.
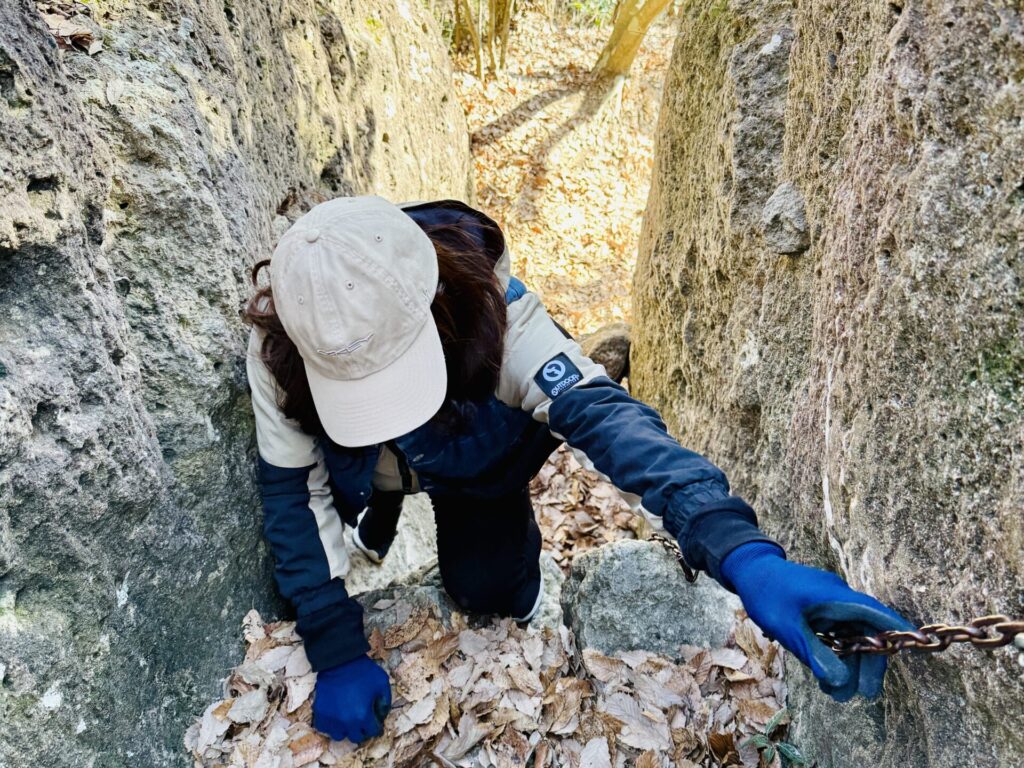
{"type": "Point", "coordinates": [598, 95]}
{"type": "Point", "coordinates": [521, 114]}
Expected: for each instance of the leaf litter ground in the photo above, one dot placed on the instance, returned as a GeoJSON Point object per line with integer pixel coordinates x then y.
{"type": "Point", "coordinates": [499, 695]}
{"type": "Point", "coordinates": [567, 181]}
{"type": "Point", "coordinates": [568, 186]}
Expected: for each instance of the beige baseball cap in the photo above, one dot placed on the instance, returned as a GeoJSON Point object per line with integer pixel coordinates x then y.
{"type": "Point", "coordinates": [353, 280]}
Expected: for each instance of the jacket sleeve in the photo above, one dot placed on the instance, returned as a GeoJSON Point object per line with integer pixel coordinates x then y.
{"type": "Point", "coordinates": [622, 439]}
{"type": "Point", "coordinates": [302, 526]}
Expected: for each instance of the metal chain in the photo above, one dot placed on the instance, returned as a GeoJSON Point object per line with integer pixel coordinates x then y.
{"type": "Point", "coordinates": [673, 549]}
{"type": "Point", "coordinates": [992, 631]}
{"type": "Point", "coordinates": [984, 632]}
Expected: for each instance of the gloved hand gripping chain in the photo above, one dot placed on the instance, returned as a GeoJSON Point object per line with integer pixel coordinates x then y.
{"type": "Point", "coordinates": [994, 631]}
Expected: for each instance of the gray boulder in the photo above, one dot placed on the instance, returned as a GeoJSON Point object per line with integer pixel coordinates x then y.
{"type": "Point", "coordinates": [632, 595]}
{"type": "Point", "coordinates": [609, 346]}
{"type": "Point", "coordinates": [137, 188]}
{"type": "Point", "coordinates": [550, 613]}
{"type": "Point", "coordinates": [414, 549]}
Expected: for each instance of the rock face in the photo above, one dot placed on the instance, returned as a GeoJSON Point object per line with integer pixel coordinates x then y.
{"type": "Point", "coordinates": [414, 549]}
{"type": "Point", "coordinates": [632, 595]}
{"type": "Point", "coordinates": [785, 222]}
{"type": "Point", "coordinates": [137, 187]}
{"type": "Point", "coordinates": [609, 346]}
{"type": "Point", "coordinates": [866, 395]}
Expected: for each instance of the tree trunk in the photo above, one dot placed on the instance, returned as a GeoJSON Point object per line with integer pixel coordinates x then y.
{"type": "Point", "coordinates": [459, 28]}
{"type": "Point", "coordinates": [469, 25]}
{"type": "Point", "coordinates": [633, 19]}
{"type": "Point", "coordinates": [507, 9]}
{"type": "Point", "coordinates": [492, 33]}
{"type": "Point", "coordinates": [615, 12]}
{"type": "Point", "coordinates": [476, 30]}
{"type": "Point", "coordinates": [480, 36]}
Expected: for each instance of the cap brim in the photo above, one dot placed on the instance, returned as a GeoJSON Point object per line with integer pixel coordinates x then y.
{"type": "Point", "coordinates": [386, 404]}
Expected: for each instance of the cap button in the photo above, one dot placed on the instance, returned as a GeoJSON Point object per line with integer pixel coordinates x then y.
{"type": "Point", "coordinates": [312, 235]}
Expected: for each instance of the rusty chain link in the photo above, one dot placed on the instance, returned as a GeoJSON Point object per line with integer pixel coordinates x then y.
{"type": "Point", "coordinates": [992, 631]}
{"type": "Point", "coordinates": [673, 549]}
{"type": "Point", "coordinates": [984, 632]}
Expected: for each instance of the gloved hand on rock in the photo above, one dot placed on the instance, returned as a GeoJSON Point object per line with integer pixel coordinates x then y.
{"type": "Point", "coordinates": [351, 700]}
{"type": "Point", "coordinates": [790, 602]}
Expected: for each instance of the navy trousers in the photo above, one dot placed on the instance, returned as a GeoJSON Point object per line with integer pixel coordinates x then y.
{"type": "Point", "coordinates": [488, 550]}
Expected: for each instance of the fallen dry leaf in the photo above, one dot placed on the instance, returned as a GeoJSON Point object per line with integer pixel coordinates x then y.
{"type": "Point", "coordinates": [595, 754]}
{"type": "Point", "coordinates": [299, 690]}
{"type": "Point", "coordinates": [470, 732]}
{"type": "Point", "coordinates": [730, 658]}
{"type": "Point", "coordinates": [723, 747]}
{"type": "Point", "coordinates": [307, 748]}
{"type": "Point", "coordinates": [641, 729]}
{"type": "Point", "coordinates": [250, 707]}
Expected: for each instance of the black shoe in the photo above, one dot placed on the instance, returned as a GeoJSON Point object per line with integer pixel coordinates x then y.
{"type": "Point", "coordinates": [375, 530]}
{"type": "Point", "coordinates": [536, 603]}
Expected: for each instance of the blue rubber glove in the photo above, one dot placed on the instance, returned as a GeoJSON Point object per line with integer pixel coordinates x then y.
{"type": "Point", "coordinates": [351, 700]}
{"type": "Point", "coordinates": [789, 602]}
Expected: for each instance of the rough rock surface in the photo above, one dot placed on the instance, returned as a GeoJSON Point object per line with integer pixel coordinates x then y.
{"type": "Point", "coordinates": [632, 595]}
{"type": "Point", "coordinates": [609, 346]}
{"type": "Point", "coordinates": [785, 222]}
{"type": "Point", "coordinates": [866, 395]}
{"type": "Point", "coordinates": [414, 549]}
{"type": "Point", "coordinates": [550, 613]}
{"type": "Point", "coordinates": [137, 187]}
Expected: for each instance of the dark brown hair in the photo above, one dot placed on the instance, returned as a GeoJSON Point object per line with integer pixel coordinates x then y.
{"type": "Point", "coordinates": [468, 308]}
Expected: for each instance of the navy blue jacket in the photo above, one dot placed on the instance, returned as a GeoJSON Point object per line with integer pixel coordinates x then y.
{"type": "Point", "coordinates": [548, 392]}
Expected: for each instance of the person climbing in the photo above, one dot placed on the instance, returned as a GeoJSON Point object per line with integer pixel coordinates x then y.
{"type": "Point", "coordinates": [391, 353]}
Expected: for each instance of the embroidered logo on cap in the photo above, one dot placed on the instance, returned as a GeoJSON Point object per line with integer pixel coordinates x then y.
{"type": "Point", "coordinates": [557, 375]}
{"type": "Point", "coordinates": [347, 349]}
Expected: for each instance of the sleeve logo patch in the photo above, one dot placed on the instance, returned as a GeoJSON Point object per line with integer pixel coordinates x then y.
{"type": "Point", "coordinates": [557, 375]}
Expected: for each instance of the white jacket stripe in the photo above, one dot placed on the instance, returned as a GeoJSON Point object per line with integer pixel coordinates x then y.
{"type": "Point", "coordinates": [328, 522]}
